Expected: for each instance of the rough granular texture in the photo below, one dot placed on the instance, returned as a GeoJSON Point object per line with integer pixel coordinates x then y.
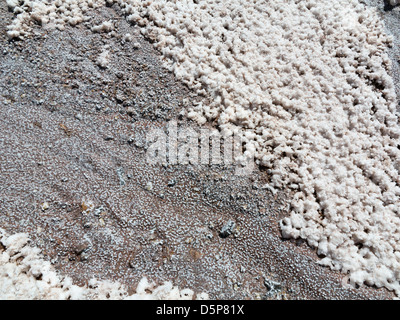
{"type": "Point", "coordinates": [307, 82]}
{"type": "Point", "coordinates": [24, 274]}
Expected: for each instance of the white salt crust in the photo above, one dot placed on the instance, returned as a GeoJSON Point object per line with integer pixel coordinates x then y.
{"type": "Point", "coordinates": [104, 58]}
{"type": "Point", "coordinates": [307, 82]}
{"type": "Point", "coordinates": [24, 274]}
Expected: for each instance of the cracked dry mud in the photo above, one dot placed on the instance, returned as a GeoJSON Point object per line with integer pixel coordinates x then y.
{"type": "Point", "coordinates": [72, 131]}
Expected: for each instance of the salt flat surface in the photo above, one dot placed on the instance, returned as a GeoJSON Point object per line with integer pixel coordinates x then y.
{"type": "Point", "coordinates": [308, 82]}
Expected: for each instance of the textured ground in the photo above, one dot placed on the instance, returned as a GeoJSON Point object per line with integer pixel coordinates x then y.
{"type": "Point", "coordinates": [391, 17]}
{"type": "Point", "coordinates": [66, 136]}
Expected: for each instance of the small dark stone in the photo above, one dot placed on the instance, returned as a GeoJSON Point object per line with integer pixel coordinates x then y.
{"type": "Point", "coordinates": [171, 183]}
{"type": "Point", "coordinates": [227, 229]}
{"type": "Point", "coordinates": [79, 249]}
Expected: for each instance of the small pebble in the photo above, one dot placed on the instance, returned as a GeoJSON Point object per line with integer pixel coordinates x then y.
{"type": "Point", "coordinates": [227, 229]}
{"type": "Point", "coordinates": [171, 183]}
{"type": "Point", "coordinates": [149, 186]}
{"type": "Point", "coordinates": [45, 206]}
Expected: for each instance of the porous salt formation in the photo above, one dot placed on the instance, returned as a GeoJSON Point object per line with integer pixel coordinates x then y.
{"type": "Point", "coordinates": [307, 82]}
{"type": "Point", "coordinates": [54, 14]}
{"type": "Point", "coordinates": [106, 26]}
{"type": "Point", "coordinates": [24, 274]}
{"type": "Point", "coordinates": [104, 58]}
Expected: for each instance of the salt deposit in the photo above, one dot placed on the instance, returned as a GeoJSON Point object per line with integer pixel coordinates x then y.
{"type": "Point", "coordinates": [106, 26]}
{"type": "Point", "coordinates": [24, 274]}
{"type": "Point", "coordinates": [104, 58]}
{"type": "Point", "coordinates": [307, 82]}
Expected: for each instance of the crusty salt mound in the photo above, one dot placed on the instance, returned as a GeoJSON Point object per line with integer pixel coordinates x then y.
{"type": "Point", "coordinates": [24, 274]}
{"type": "Point", "coordinates": [307, 82]}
